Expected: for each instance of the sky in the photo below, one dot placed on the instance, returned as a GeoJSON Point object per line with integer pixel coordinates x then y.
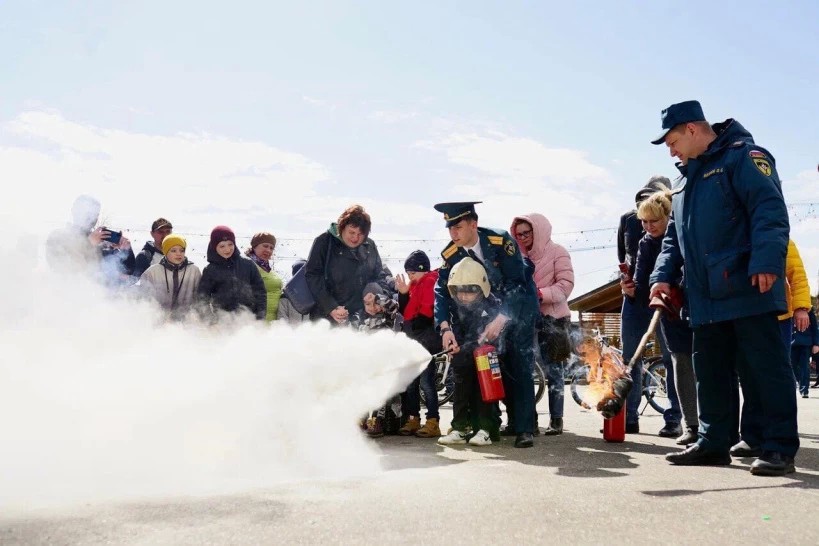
{"type": "Point", "coordinates": [275, 116]}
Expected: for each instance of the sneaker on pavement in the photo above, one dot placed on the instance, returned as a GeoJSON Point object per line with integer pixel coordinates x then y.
{"type": "Point", "coordinates": [430, 429]}
{"type": "Point", "coordinates": [688, 437]}
{"type": "Point", "coordinates": [455, 437]}
{"type": "Point", "coordinates": [481, 438]}
{"type": "Point", "coordinates": [410, 427]}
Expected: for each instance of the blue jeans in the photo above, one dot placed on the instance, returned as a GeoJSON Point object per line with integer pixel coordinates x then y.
{"type": "Point", "coordinates": [412, 398]}
{"type": "Point", "coordinates": [633, 324]}
{"type": "Point", "coordinates": [556, 379]}
{"type": "Point", "coordinates": [800, 360]}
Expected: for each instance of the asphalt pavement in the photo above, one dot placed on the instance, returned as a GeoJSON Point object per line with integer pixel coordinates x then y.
{"type": "Point", "coordinates": [569, 489]}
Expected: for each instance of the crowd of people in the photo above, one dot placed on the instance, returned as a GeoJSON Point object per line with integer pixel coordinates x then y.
{"type": "Point", "coordinates": [715, 244]}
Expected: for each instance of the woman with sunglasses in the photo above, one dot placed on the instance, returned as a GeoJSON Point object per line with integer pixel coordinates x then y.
{"type": "Point", "coordinates": [554, 278]}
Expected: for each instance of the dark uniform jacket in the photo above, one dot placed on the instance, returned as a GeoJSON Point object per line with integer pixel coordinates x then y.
{"type": "Point", "coordinates": [233, 283]}
{"type": "Point", "coordinates": [629, 233]}
{"type": "Point", "coordinates": [337, 274]}
{"type": "Point", "coordinates": [810, 336]}
{"type": "Point", "coordinates": [509, 276]}
{"type": "Point", "coordinates": [145, 258]}
{"type": "Point", "coordinates": [678, 336]}
{"type": "Point", "coordinates": [729, 222]}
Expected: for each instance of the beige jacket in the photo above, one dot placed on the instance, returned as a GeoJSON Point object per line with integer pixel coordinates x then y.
{"type": "Point", "coordinates": [157, 281]}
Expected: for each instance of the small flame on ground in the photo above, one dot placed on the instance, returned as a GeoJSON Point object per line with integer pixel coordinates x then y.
{"type": "Point", "coordinates": [605, 367]}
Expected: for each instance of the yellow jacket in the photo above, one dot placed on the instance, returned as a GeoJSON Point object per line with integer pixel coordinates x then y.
{"type": "Point", "coordinates": [797, 290]}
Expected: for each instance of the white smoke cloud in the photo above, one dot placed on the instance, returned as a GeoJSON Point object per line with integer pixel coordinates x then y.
{"type": "Point", "coordinates": [99, 400]}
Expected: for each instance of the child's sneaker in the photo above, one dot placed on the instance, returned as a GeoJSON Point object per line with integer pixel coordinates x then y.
{"type": "Point", "coordinates": [481, 438]}
{"type": "Point", "coordinates": [375, 427]}
{"type": "Point", "coordinates": [412, 425]}
{"type": "Point", "coordinates": [456, 437]}
{"type": "Point", "coordinates": [430, 429]}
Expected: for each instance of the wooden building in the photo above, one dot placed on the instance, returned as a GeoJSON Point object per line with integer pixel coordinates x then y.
{"type": "Point", "coordinates": [600, 308]}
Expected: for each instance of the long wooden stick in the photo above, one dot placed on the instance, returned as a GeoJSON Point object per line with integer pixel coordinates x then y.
{"type": "Point", "coordinates": [655, 319]}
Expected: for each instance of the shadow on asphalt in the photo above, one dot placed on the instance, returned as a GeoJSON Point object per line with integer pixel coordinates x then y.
{"type": "Point", "coordinates": [573, 455]}
{"type": "Point", "coordinates": [810, 482]}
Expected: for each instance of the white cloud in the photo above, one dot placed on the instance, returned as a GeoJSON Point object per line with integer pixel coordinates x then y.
{"type": "Point", "coordinates": [804, 188]}
{"type": "Point", "coordinates": [515, 175]}
{"type": "Point", "coordinates": [392, 116]}
{"type": "Point", "coordinates": [527, 161]}
{"type": "Point", "coordinates": [141, 176]}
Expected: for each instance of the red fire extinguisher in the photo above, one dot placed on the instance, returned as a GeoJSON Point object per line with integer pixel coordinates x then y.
{"type": "Point", "coordinates": [489, 373]}
{"type": "Point", "coordinates": [614, 428]}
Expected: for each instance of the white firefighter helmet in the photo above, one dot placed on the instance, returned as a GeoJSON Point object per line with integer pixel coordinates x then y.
{"type": "Point", "coordinates": [465, 273]}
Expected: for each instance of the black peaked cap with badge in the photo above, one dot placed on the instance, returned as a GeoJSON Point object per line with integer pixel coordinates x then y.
{"type": "Point", "coordinates": [677, 114]}
{"type": "Point", "coordinates": [453, 212]}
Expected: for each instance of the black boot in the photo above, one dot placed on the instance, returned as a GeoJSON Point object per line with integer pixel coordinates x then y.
{"type": "Point", "coordinates": [555, 427]}
{"type": "Point", "coordinates": [696, 456]}
{"type": "Point", "coordinates": [524, 439]}
{"type": "Point", "coordinates": [772, 463]}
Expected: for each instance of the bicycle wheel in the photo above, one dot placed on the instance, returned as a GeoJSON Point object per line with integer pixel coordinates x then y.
{"type": "Point", "coordinates": [539, 379]}
{"type": "Point", "coordinates": [579, 385]}
{"type": "Point", "coordinates": [655, 388]}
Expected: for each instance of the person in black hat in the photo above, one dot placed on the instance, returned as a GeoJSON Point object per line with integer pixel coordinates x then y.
{"type": "Point", "coordinates": [416, 300]}
{"type": "Point", "coordinates": [635, 317]}
{"type": "Point", "coordinates": [513, 330]}
{"type": "Point", "coordinates": [731, 224]}
{"type": "Point", "coordinates": [151, 253]}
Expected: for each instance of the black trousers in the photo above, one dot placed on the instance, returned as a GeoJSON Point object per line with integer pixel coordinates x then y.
{"type": "Point", "coordinates": [751, 346]}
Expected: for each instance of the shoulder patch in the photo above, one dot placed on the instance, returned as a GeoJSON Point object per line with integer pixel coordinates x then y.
{"type": "Point", "coordinates": [495, 239]}
{"type": "Point", "coordinates": [510, 247]}
{"type": "Point", "coordinates": [762, 165]}
{"type": "Point", "coordinates": [449, 251]}
{"type": "Point", "coordinates": [757, 153]}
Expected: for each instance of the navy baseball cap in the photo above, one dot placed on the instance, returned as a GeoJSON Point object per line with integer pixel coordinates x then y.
{"type": "Point", "coordinates": [453, 212]}
{"type": "Point", "coordinates": [677, 114]}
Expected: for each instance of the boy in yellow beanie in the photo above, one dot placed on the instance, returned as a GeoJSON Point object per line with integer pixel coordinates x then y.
{"type": "Point", "coordinates": [174, 281]}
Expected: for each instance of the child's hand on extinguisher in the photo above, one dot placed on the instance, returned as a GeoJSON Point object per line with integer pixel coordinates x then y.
{"type": "Point", "coordinates": [448, 340]}
{"type": "Point", "coordinates": [493, 329]}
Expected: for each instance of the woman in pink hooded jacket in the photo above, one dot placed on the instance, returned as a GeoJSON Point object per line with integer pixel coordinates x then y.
{"type": "Point", "coordinates": [554, 278]}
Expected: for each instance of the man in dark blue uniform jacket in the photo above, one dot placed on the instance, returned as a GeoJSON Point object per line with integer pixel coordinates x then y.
{"type": "Point", "coordinates": [730, 227]}
{"type": "Point", "coordinates": [513, 330]}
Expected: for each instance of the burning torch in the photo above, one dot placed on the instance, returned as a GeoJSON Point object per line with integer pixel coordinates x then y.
{"type": "Point", "coordinates": [611, 404]}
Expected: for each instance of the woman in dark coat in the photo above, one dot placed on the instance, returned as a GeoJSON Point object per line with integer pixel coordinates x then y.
{"type": "Point", "coordinates": [229, 281]}
{"type": "Point", "coordinates": [342, 261]}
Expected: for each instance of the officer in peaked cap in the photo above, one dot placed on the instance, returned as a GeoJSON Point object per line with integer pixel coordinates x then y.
{"type": "Point", "coordinates": [512, 332]}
